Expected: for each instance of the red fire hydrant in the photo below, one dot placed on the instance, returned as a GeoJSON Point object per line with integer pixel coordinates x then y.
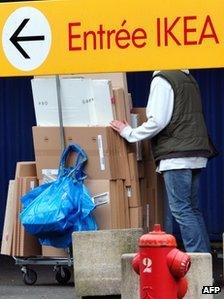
{"type": "Point", "coordinates": [161, 266]}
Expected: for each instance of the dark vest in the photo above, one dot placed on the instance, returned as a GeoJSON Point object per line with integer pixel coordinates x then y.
{"type": "Point", "coordinates": [186, 134]}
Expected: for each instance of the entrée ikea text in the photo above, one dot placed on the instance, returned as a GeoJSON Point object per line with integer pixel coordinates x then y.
{"type": "Point", "coordinates": [179, 31]}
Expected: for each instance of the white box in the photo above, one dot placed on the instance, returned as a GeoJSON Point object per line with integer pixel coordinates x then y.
{"type": "Point", "coordinates": [117, 79]}
{"type": "Point", "coordinates": [85, 102]}
{"type": "Point", "coordinates": [77, 102]}
{"type": "Point", "coordinates": [103, 102]}
{"type": "Point", "coordinates": [45, 101]}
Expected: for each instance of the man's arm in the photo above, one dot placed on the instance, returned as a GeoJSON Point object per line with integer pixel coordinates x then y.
{"type": "Point", "coordinates": [158, 111]}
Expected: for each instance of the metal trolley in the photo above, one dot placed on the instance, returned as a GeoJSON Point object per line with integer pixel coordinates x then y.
{"type": "Point", "coordinates": [61, 266]}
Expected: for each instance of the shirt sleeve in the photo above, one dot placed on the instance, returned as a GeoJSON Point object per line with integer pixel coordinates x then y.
{"type": "Point", "coordinates": [158, 111]}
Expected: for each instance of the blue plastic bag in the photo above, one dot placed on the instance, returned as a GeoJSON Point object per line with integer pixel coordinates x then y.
{"type": "Point", "coordinates": [54, 210]}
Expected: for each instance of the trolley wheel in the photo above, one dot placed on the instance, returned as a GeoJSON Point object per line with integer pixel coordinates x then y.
{"type": "Point", "coordinates": [63, 275]}
{"type": "Point", "coordinates": [29, 276]}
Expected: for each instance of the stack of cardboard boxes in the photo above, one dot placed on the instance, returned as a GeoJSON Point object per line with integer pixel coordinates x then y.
{"type": "Point", "coordinates": [15, 240]}
{"type": "Point", "coordinates": [121, 177]}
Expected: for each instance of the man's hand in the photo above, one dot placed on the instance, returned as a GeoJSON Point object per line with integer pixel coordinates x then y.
{"type": "Point", "coordinates": [118, 125]}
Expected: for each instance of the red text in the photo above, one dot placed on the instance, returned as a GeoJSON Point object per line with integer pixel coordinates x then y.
{"type": "Point", "coordinates": [183, 31]}
{"type": "Point", "coordinates": [102, 38]}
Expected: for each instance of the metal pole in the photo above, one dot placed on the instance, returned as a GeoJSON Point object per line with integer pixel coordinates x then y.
{"type": "Point", "coordinates": [62, 134]}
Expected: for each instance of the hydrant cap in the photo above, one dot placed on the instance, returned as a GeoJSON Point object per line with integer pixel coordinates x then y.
{"type": "Point", "coordinates": [157, 238]}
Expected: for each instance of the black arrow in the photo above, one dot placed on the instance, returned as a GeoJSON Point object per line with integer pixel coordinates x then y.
{"type": "Point", "coordinates": [15, 38]}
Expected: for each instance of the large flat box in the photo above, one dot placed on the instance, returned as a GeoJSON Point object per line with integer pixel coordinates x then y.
{"type": "Point", "coordinates": [23, 244]}
{"type": "Point", "coordinates": [77, 101]}
{"type": "Point", "coordinates": [50, 251]}
{"type": "Point", "coordinates": [146, 149]}
{"type": "Point", "coordinates": [7, 235]}
{"type": "Point", "coordinates": [134, 188]}
{"type": "Point", "coordinates": [136, 217]}
{"type": "Point", "coordinates": [44, 92]}
{"type": "Point", "coordinates": [118, 80]}
{"type": "Point", "coordinates": [15, 241]}
{"type": "Point", "coordinates": [119, 101]}
{"type": "Point", "coordinates": [104, 106]}
{"type": "Point", "coordinates": [28, 244]}
{"type": "Point", "coordinates": [141, 112]}
{"type": "Point", "coordinates": [102, 145]}
{"type": "Point", "coordinates": [108, 196]}
{"type": "Point", "coordinates": [84, 101]}
{"type": "Point", "coordinates": [98, 106]}
{"type": "Point", "coordinates": [102, 191]}
{"type": "Point", "coordinates": [150, 173]}
{"type": "Point", "coordinates": [25, 169]}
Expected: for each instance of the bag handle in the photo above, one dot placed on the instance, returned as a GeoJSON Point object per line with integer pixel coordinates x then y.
{"type": "Point", "coordinates": [77, 170]}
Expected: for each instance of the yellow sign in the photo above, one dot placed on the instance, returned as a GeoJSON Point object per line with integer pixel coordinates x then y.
{"type": "Point", "coordinates": [62, 37]}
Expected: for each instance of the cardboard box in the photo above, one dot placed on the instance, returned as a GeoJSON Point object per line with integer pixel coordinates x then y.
{"type": "Point", "coordinates": [15, 240]}
{"type": "Point", "coordinates": [28, 244]}
{"type": "Point", "coordinates": [130, 101]}
{"type": "Point", "coordinates": [23, 244]}
{"type": "Point", "coordinates": [77, 101]}
{"type": "Point", "coordinates": [136, 217]}
{"type": "Point", "coordinates": [50, 251]}
{"type": "Point", "coordinates": [146, 150]}
{"type": "Point", "coordinates": [109, 198]}
{"type": "Point", "coordinates": [119, 101]}
{"type": "Point", "coordinates": [25, 169]}
{"type": "Point", "coordinates": [150, 173]}
{"type": "Point", "coordinates": [45, 101]}
{"type": "Point", "coordinates": [138, 145]}
{"type": "Point", "coordinates": [84, 101]}
{"type": "Point", "coordinates": [100, 143]}
{"type": "Point", "coordinates": [135, 195]}
{"type": "Point", "coordinates": [141, 170]}
{"type": "Point", "coordinates": [141, 112]}
{"type": "Point", "coordinates": [99, 106]}
{"type": "Point", "coordinates": [104, 106]}
{"type": "Point", "coordinates": [118, 80]}
{"type": "Point", "coordinates": [102, 192]}
{"type": "Point", "coordinates": [7, 234]}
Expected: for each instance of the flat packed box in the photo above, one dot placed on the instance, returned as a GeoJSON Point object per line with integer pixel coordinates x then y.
{"type": "Point", "coordinates": [108, 195]}
{"type": "Point", "coordinates": [84, 102]}
{"type": "Point", "coordinates": [50, 251]}
{"type": "Point", "coordinates": [118, 80]}
{"type": "Point", "coordinates": [101, 144]}
{"type": "Point", "coordinates": [45, 101]}
{"type": "Point", "coordinates": [104, 107]}
{"type": "Point", "coordinates": [146, 150]}
{"type": "Point", "coordinates": [101, 192]}
{"type": "Point", "coordinates": [77, 101]}
{"type": "Point", "coordinates": [136, 217]}
{"type": "Point", "coordinates": [25, 169]}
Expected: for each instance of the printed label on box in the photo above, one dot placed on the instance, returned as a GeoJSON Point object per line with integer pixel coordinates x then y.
{"type": "Point", "coordinates": [101, 199]}
{"type": "Point", "coordinates": [101, 153]}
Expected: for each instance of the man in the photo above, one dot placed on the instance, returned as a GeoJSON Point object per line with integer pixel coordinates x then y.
{"type": "Point", "coordinates": [181, 148]}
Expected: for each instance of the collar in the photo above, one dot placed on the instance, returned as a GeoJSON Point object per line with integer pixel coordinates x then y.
{"type": "Point", "coordinates": [184, 71]}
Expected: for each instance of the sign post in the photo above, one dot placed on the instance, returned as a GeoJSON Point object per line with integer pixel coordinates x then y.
{"type": "Point", "coordinates": [90, 36]}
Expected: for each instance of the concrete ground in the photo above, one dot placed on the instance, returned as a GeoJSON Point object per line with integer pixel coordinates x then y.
{"type": "Point", "coordinates": [12, 286]}
{"type": "Point", "coordinates": [46, 287]}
